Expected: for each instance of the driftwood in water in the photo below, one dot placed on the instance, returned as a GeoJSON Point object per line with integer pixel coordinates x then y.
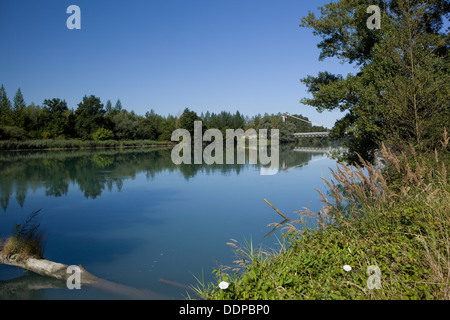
{"type": "Point", "coordinates": [58, 271]}
{"type": "Point", "coordinates": [46, 267]}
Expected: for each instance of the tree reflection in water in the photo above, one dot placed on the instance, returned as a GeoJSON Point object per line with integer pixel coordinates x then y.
{"type": "Point", "coordinates": [94, 171]}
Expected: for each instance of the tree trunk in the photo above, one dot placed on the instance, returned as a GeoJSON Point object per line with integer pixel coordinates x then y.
{"type": "Point", "coordinates": [59, 271]}
{"type": "Point", "coordinates": [46, 268]}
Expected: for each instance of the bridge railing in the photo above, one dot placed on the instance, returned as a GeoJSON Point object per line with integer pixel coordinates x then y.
{"type": "Point", "coordinates": [310, 134]}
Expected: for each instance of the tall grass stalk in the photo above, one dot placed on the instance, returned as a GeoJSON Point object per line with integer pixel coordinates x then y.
{"type": "Point", "coordinates": [393, 214]}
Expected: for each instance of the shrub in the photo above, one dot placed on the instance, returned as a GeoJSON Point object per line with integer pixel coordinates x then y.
{"type": "Point", "coordinates": [12, 133]}
{"type": "Point", "coordinates": [103, 134]}
{"type": "Point", "coordinates": [394, 215]}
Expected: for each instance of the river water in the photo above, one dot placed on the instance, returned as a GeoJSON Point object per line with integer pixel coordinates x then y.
{"type": "Point", "coordinates": [133, 217]}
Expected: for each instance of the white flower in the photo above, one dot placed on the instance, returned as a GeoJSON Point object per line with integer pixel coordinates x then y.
{"type": "Point", "coordinates": [347, 268]}
{"type": "Point", "coordinates": [223, 285]}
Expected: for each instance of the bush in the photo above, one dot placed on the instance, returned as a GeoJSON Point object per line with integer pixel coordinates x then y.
{"type": "Point", "coordinates": [12, 133]}
{"type": "Point", "coordinates": [394, 215]}
{"type": "Point", "coordinates": [103, 134]}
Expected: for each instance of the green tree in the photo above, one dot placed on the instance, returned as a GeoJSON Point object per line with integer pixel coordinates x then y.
{"type": "Point", "coordinates": [149, 126]}
{"type": "Point", "coordinates": [266, 123]}
{"type": "Point", "coordinates": [125, 125]}
{"type": "Point", "coordinates": [89, 117]}
{"type": "Point", "coordinates": [287, 129]}
{"type": "Point", "coordinates": [167, 126]}
{"type": "Point", "coordinates": [56, 115]}
{"type": "Point", "coordinates": [5, 108]}
{"type": "Point", "coordinates": [400, 94]}
{"type": "Point", "coordinates": [187, 120]}
{"type": "Point", "coordinates": [118, 106]}
{"type": "Point", "coordinates": [108, 107]}
{"type": "Point", "coordinates": [34, 121]}
{"type": "Point", "coordinates": [18, 111]}
{"type": "Point", "coordinates": [238, 121]}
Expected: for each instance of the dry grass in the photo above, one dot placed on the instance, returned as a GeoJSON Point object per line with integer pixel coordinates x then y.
{"type": "Point", "coordinates": [26, 241]}
{"type": "Point", "coordinates": [361, 194]}
{"type": "Point", "coordinates": [394, 214]}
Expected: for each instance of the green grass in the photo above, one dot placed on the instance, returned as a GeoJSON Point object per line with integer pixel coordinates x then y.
{"type": "Point", "coordinates": [394, 216]}
{"type": "Point", "coordinates": [76, 144]}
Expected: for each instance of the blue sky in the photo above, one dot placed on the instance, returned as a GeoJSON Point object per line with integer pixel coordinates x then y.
{"type": "Point", "coordinates": [166, 55]}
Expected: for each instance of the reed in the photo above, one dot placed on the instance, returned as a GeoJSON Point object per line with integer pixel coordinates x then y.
{"type": "Point", "coordinates": [76, 144]}
{"type": "Point", "coordinates": [26, 240]}
{"type": "Point", "coordinates": [393, 214]}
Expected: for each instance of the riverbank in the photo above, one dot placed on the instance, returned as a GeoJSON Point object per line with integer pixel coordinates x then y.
{"type": "Point", "coordinates": [61, 144]}
{"type": "Point", "coordinates": [383, 233]}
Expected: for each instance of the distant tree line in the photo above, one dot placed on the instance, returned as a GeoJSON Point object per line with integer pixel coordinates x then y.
{"type": "Point", "coordinates": [92, 120]}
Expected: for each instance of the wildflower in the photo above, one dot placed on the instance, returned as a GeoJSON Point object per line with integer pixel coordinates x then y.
{"type": "Point", "coordinates": [223, 285]}
{"type": "Point", "coordinates": [347, 268]}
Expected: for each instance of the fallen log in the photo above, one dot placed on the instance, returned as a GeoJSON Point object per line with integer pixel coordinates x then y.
{"type": "Point", "coordinates": [58, 271]}
{"type": "Point", "coordinates": [46, 267]}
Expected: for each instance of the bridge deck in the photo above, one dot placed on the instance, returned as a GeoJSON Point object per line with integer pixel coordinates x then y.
{"type": "Point", "coordinates": [311, 149]}
{"type": "Point", "coordinates": [310, 134]}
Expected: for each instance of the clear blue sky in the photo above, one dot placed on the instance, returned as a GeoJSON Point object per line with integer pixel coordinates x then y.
{"type": "Point", "coordinates": [166, 55]}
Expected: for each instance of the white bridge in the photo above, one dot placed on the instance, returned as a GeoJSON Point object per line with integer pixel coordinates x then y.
{"type": "Point", "coordinates": [305, 134]}
{"type": "Point", "coordinates": [310, 134]}
{"type": "Point", "coordinates": [310, 149]}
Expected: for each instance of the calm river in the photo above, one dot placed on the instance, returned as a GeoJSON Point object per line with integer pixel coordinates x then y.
{"type": "Point", "coordinates": [132, 217]}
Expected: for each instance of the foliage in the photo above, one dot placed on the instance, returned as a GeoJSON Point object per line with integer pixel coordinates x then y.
{"type": "Point", "coordinates": [55, 121]}
{"type": "Point", "coordinates": [18, 114]}
{"type": "Point", "coordinates": [57, 117]}
{"type": "Point", "coordinates": [394, 215]}
{"type": "Point", "coordinates": [89, 116]}
{"type": "Point", "coordinates": [400, 93]}
{"type": "Point", "coordinates": [5, 108]}
{"type": "Point", "coordinates": [187, 120]}
{"type": "Point", "coordinates": [12, 133]}
{"type": "Point", "coordinates": [103, 134]}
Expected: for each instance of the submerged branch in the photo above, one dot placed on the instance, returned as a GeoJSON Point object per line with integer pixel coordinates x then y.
{"type": "Point", "coordinates": [276, 210]}
{"type": "Point", "coordinates": [59, 271]}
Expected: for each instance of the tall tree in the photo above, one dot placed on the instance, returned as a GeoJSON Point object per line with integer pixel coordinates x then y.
{"type": "Point", "coordinates": [125, 125]}
{"type": "Point", "coordinates": [18, 111]}
{"type": "Point", "coordinates": [108, 107]}
{"type": "Point", "coordinates": [35, 121]}
{"type": "Point", "coordinates": [401, 90]}
{"type": "Point", "coordinates": [57, 118]}
{"type": "Point", "coordinates": [187, 120]}
{"type": "Point", "coordinates": [89, 117]}
{"type": "Point", "coordinates": [5, 108]}
{"type": "Point", "coordinates": [118, 106]}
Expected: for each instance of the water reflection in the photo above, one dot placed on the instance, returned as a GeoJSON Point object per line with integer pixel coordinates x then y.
{"type": "Point", "coordinates": [151, 219]}
{"type": "Point", "coordinates": [96, 171]}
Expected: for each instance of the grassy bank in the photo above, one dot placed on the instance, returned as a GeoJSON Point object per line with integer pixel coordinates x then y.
{"type": "Point", "coordinates": [389, 222]}
{"type": "Point", "coordinates": [76, 144]}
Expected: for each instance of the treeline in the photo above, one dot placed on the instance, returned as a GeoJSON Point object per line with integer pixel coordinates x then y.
{"type": "Point", "coordinates": [92, 120]}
